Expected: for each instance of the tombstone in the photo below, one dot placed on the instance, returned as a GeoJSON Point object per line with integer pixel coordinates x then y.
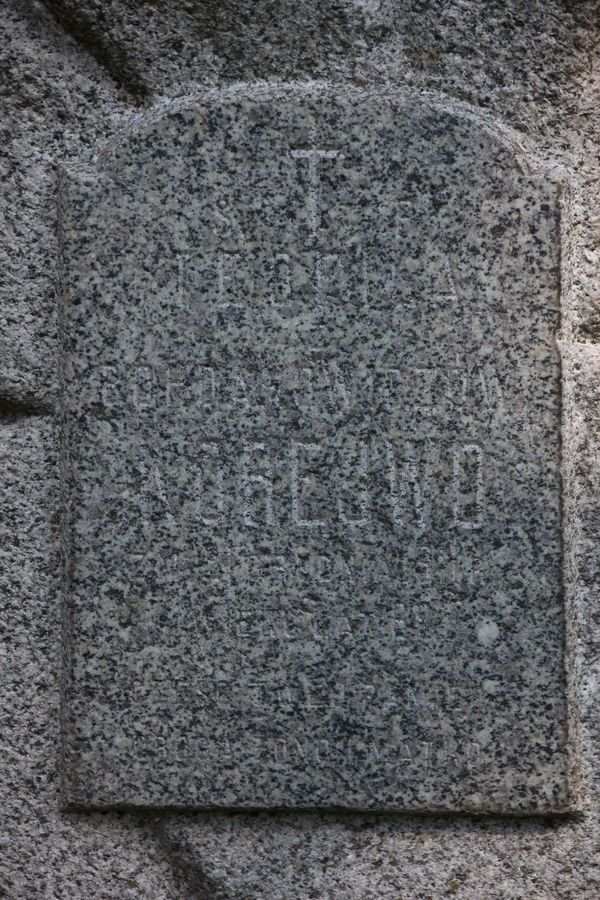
{"type": "Point", "coordinates": [312, 461]}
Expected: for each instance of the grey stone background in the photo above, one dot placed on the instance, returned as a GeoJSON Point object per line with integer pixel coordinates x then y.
{"type": "Point", "coordinates": [71, 74]}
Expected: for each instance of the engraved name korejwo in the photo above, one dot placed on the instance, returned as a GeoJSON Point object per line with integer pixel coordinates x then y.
{"type": "Point", "coordinates": [243, 488]}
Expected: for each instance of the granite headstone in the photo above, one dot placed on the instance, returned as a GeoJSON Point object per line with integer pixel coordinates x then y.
{"type": "Point", "coordinates": [312, 461]}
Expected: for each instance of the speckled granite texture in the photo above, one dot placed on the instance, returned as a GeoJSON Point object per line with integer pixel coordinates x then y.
{"type": "Point", "coordinates": [312, 461]}
{"type": "Point", "coordinates": [533, 67]}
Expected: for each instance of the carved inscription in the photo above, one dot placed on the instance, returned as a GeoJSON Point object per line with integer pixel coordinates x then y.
{"type": "Point", "coordinates": [312, 452]}
{"type": "Point", "coordinates": [411, 500]}
{"type": "Point", "coordinates": [465, 386]}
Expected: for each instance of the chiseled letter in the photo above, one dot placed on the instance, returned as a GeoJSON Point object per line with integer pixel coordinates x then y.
{"type": "Point", "coordinates": [297, 479]}
{"type": "Point", "coordinates": [253, 481]}
{"type": "Point", "coordinates": [209, 449]}
{"type": "Point", "coordinates": [467, 486]}
{"type": "Point", "coordinates": [364, 494]}
{"type": "Point", "coordinates": [410, 483]}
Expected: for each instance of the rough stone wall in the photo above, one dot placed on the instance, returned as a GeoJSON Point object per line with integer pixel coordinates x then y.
{"type": "Point", "coordinates": [71, 74]}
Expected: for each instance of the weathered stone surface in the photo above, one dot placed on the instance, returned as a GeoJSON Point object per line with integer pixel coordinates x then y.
{"type": "Point", "coordinates": [313, 473]}
{"type": "Point", "coordinates": [538, 72]}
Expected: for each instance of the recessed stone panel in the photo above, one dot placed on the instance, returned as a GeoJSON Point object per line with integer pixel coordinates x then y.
{"type": "Point", "coordinates": [312, 462]}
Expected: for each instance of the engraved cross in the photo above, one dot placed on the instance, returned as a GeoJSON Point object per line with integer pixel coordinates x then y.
{"type": "Point", "coordinates": [314, 155]}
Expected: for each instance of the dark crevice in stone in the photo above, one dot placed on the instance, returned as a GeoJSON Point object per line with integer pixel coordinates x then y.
{"type": "Point", "coordinates": [16, 409]}
{"type": "Point", "coordinates": [188, 873]}
{"type": "Point", "coordinates": [111, 58]}
{"type": "Point", "coordinates": [146, 45]}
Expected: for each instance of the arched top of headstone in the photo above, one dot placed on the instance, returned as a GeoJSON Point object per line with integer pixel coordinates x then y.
{"type": "Point", "coordinates": [312, 97]}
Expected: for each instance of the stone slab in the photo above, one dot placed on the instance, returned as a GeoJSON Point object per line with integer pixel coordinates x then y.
{"type": "Point", "coordinates": [312, 462]}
